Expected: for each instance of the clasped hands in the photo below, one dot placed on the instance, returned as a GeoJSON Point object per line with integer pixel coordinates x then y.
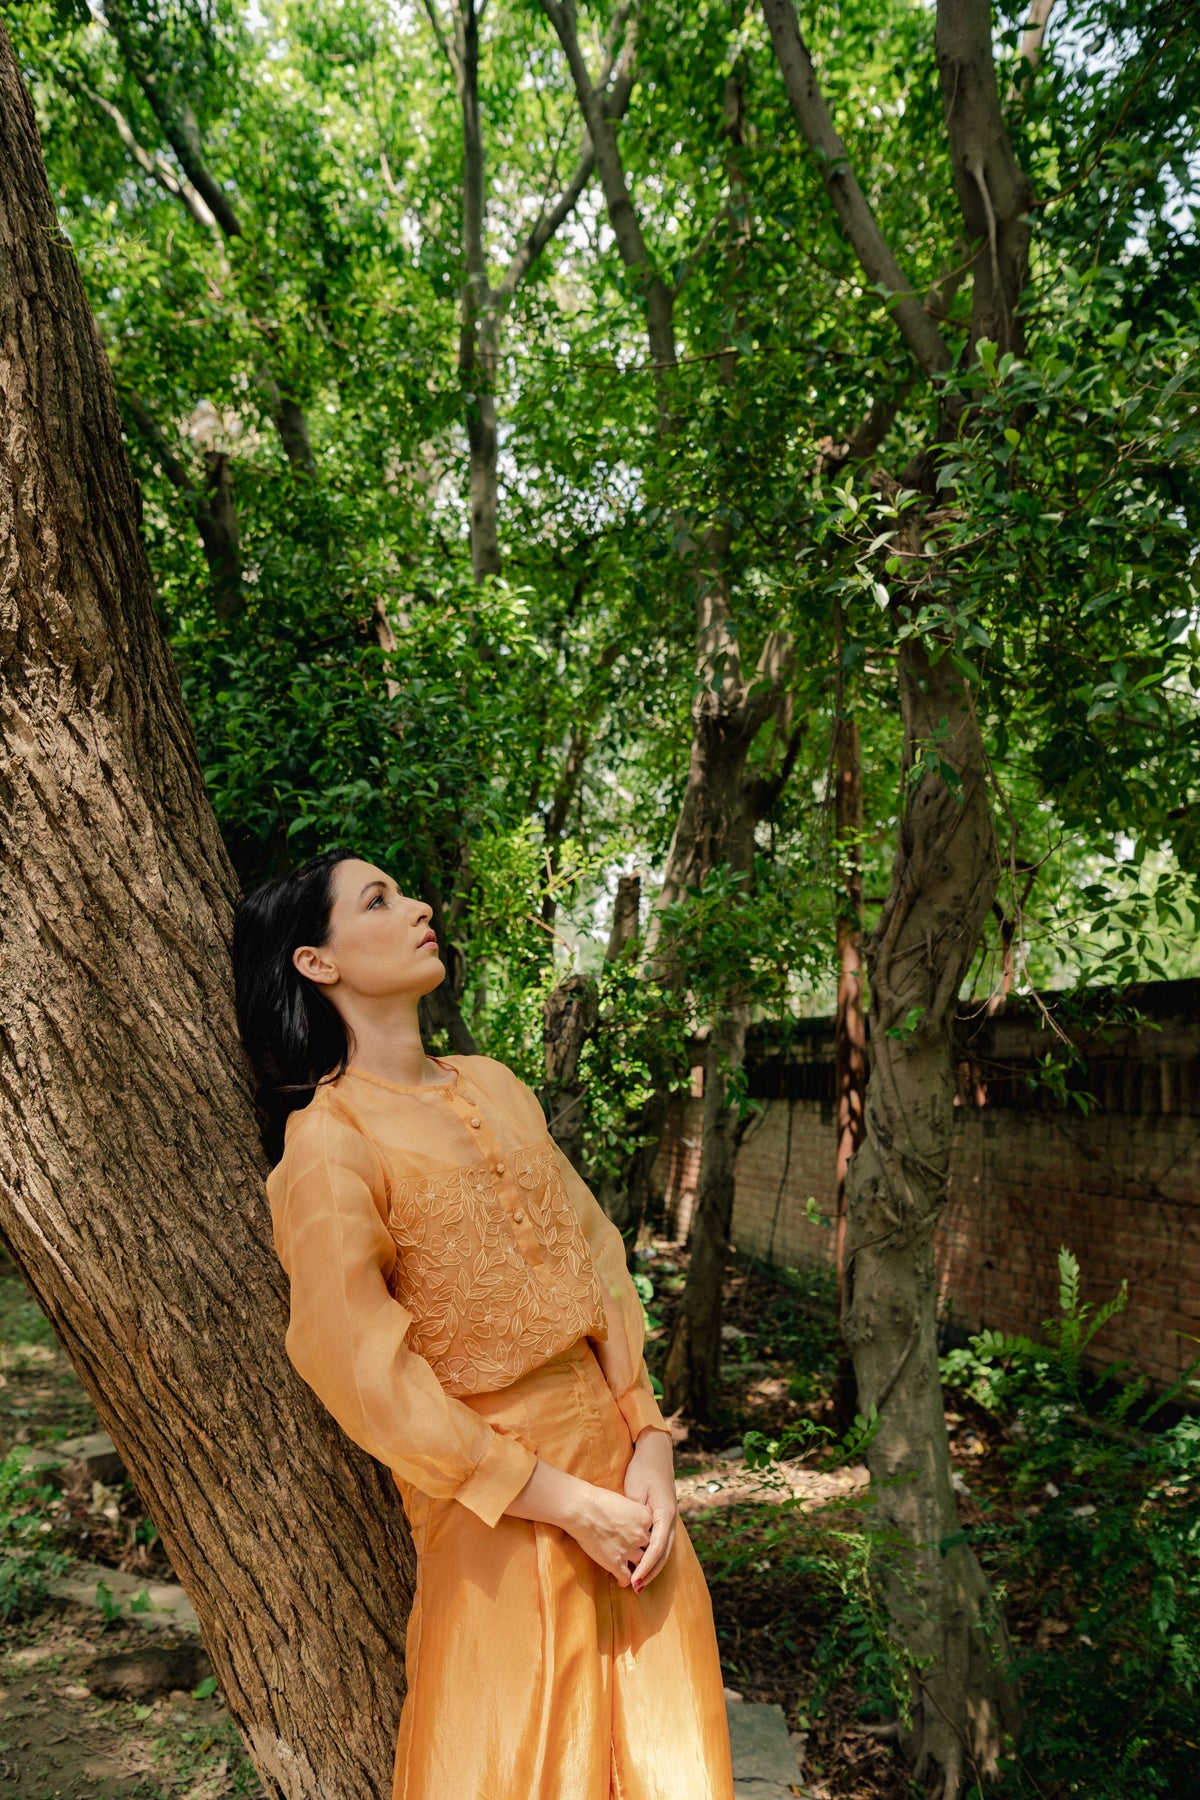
{"type": "Point", "coordinates": [629, 1533]}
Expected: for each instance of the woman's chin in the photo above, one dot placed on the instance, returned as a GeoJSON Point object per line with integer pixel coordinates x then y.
{"type": "Point", "coordinates": [435, 975]}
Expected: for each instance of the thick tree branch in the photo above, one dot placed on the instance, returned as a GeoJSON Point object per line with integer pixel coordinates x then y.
{"type": "Point", "coordinates": [850, 203]}
{"type": "Point", "coordinates": [1033, 36]}
{"type": "Point", "coordinates": [993, 194]}
{"type": "Point", "coordinates": [616, 85]}
{"type": "Point", "coordinates": [764, 790]}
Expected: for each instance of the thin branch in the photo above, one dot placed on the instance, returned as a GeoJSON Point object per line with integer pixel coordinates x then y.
{"type": "Point", "coordinates": [1032, 38]}
{"type": "Point", "coordinates": [850, 203]}
{"type": "Point", "coordinates": [152, 163]}
{"type": "Point", "coordinates": [212, 506]}
{"type": "Point", "coordinates": [444, 44]}
{"type": "Point", "coordinates": [706, 239]}
{"type": "Point", "coordinates": [178, 124]}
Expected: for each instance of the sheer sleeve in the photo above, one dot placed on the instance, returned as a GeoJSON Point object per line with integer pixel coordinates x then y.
{"type": "Point", "coordinates": [346, 1332]}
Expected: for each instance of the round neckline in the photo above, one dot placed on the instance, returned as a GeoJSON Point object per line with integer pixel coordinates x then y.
{"type": "Point", "coordinates": [419, 1087]}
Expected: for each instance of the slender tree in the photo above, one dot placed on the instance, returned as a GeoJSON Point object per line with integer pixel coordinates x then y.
{"type": "Point", "coordinates": [945, 876]}
{"type": "Point", "coordinates": [724, 798]}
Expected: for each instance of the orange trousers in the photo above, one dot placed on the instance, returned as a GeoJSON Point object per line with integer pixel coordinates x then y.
{"type": "Point", "coordinates": [531, 1674]}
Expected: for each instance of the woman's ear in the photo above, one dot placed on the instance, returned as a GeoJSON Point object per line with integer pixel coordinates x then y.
{"type": "Point", "coordinates": [315, 964]}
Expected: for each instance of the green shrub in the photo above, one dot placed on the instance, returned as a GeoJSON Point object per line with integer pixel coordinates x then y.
{"type": "Point", "coordinates": [1101, 1522]}
{"type": "Point", "coordinates": [28, 1556]}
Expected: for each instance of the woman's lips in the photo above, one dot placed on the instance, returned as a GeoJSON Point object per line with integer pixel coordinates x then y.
{"type": "Point", "coordinates": [429, 938]}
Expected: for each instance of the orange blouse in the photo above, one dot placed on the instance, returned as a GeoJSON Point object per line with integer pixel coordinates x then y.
{"type": "Point", "coordinates": [438, 1243]}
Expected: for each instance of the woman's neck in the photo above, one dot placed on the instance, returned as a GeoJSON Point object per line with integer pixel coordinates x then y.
{"type": "Point", "coordinates": [387, 1042]}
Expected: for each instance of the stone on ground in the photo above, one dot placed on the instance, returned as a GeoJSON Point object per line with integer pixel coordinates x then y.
{"type": "Point", "coordinates": [96, 1454]}
{"type": "Point", "coordinates": [765, 1765]}
{"type": "Point", "coordinates": [141, 1674]}
{"type": "Point", "coordinates": [169, 1605]}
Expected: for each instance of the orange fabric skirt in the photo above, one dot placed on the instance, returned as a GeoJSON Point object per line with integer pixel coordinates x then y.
{"type": "Point", "coordinates": [531, 1674]}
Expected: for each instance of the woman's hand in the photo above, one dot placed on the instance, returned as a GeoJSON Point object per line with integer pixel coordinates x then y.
{"type": "Point", "coordinates": [650, 1479]}
{"type": "Point", "coordinates": [613, 1529]}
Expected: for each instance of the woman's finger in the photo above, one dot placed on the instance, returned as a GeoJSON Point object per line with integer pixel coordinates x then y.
{"type": "Point", "coordinates": [666, 1552]}
{"type": "Point", "coordinates": [655, 1550]}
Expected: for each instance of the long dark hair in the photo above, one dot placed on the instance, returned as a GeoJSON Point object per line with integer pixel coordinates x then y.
{"type": "Point", "coordinates": [292, 1032]}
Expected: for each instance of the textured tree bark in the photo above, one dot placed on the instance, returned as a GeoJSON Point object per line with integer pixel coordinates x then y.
{"type": "Point", "coordinates": [131, 1190]}
{"type": "Point", "coordinates": [850, 1025]}
{"type": "Point", "coordinates": [944, 878]}
{"type": "Point", "coordinates": [626, 919]}
{"type": "Point", "coordinates": [994, 195]}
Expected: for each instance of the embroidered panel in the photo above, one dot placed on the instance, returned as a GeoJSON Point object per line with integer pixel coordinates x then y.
{"type": "Point", "coordinates": [482, 1315]}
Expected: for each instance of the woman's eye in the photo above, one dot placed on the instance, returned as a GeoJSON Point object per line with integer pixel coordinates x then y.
{"type": "Point", "coordinates": [377, 901]}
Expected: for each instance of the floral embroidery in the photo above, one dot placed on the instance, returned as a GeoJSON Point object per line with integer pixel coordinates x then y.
{"type": "Point", "coordinates": [478, 1304]}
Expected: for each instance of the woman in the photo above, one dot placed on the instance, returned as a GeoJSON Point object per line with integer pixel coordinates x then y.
{"type": "Point", "coordinates": [461, 1304]}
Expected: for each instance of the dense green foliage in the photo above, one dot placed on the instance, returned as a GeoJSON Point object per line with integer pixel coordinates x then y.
{"type": "Point", "coordinates": [1092, 1540]}
{"type": "Point", "coordinates": [1064, 559]}
{"type": "Point", "coordinates": [29, 1556]}
{"type": "Point", "coordinates": [1101, 1521]}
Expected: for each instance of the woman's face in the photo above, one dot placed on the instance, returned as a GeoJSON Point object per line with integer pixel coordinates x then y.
{"type": "Point", "coordinates": [379, 941]}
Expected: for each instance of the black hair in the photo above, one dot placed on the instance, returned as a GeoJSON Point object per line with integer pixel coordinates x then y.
{"type": "Point", "coordinates": [292, 1032]}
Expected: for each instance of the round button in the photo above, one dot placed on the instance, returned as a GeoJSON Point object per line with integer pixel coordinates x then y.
{"type": "Point", "coordinates": [477, 1123]}
{"type": "Point", "coordinates": [499, 1168]}
{"type": "Point", "coordinates": [518, 1216]}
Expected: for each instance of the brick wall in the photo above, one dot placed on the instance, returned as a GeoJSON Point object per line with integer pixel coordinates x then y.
{"type": "Point", "coordinates": [1119, 1185]}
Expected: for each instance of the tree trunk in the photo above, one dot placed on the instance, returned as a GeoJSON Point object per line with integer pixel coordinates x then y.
{"type": "Point", "coordinates": [721, 807]}
{"type": "Point", "coordinates": [479, 336]}
{"type": "Point", "coordinates": [569, 1019]}
{"type": "Point", "coordinates": [850, 1032]}
{"type": "Point", "coordinates": [626, 919]}
{"type": "Point", "coordinates": [131, 1192]}
{"type": "Point", "coordinates": [692, 1376]}
{"type": "Point", "coordinates": [944, 878]}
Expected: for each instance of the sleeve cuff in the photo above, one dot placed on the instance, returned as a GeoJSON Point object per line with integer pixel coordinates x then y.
{"type": "Point", "coordinates": [640, 1408]}
{"type": "Point", "coordinates": [498, 1477]}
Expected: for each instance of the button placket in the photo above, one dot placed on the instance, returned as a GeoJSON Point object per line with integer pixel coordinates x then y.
{"type": "Point", "coordinates": [490, 1157]}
